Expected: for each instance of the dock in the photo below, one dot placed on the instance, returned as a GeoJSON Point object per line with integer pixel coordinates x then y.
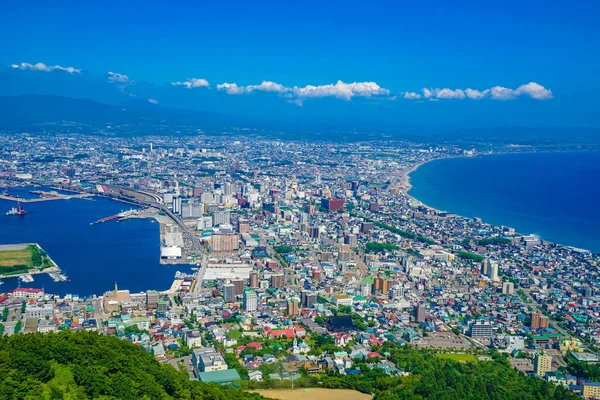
{"type": "Point", "coordinates": [118, 217]}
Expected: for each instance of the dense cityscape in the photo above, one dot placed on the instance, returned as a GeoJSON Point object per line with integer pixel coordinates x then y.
{"type": "Point", "coordinates": [310, 258]}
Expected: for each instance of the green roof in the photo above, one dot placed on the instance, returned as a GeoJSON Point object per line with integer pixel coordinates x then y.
{"type": "Point", "coordinates": [226, 376]}
{"type": "Point", "coordinates": [370, 279]}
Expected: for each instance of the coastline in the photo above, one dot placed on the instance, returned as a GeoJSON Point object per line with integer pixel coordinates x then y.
{"type": "Point", "coordinates": [407, 186]}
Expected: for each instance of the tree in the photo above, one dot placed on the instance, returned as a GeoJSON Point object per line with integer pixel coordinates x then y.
{"type": "Point", "coordinates": [18, 326]}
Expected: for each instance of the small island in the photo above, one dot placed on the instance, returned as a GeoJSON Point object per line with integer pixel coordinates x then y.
{"type": "Point", "coordinates": [28, 258]}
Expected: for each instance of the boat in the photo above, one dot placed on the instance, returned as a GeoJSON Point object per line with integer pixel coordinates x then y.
{"type": "Point", "coordinates": [56, 277]}
{"type": "Point", "coordinates": [16, 210]}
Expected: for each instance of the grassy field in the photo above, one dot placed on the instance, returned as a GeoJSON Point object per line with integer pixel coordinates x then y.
{"type": "Point", "coordinates": [313, 394]}
{"type": "Point", "coordinates": [18, 259]}
{"type": "Point", "coordinates": [458, 357]}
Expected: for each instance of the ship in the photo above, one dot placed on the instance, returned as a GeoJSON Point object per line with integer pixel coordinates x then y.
{"type": "Point", "coordinates": [16, 210]}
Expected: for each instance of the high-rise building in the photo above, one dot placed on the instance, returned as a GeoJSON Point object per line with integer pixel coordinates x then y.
{"type": "Point", "coordinates": [539, 321]}
{"type": "Point", "coordinates": [332, 204]}
{"type": "Point", "coordinates": [313, 232]}
{"type": "Point", "coordinates": [366, 227]}
{"type": "Point", "coordinates": [420, 313]}
{"type": "Point", "coordinates": [204, 223]}
{"type": "Point", "coordinates": [350, 240]}
{"type": "Point", "coordinates": [192, 210]}
{"type": "Point", "coordinates": [481, 329]}
{"type": "Point", "coordinates": [243, 226]}
{"type": "Point", "coordinates": [292, 307]}
{"type": "Point", "coordinates": [250, 302]}
{"type": "Point", "coordinates": [543, 364]}
{"type": "Point", "coordinates": [277, 281]}
{"type": "Point", "coordinates": [253, 280]}
{"type": "Point", "coordinates": [229, 292]}
{"type": "Point", "coordinates": [221, 218]}
{"type": "Point", "coordinates": [382, 285]}
{"type": "Point", "coordinates": [508, 288]}
{"type": "Point", "coordinates": [310, 300]}
{"type": "Point", "coordinates": [239, 286]}
{"type": "Point", "coordinates": [176, 204]}
{"type": "Point", "coordinates": [303, 218]}
{"type": "Point", "coordinates": [490, 269]}
{"type": "Point", "coordinates": [396, 292]}
{"type": "Point", "coordinates": [229, 188]}
{"type": "Point", "coordinates": [151, 298]}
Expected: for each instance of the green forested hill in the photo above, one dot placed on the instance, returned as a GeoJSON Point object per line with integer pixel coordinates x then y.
{"type": "Point", "coordinates": [86, 365]}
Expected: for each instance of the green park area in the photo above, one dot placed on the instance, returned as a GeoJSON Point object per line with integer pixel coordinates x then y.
{"type": "Point", "coordinates": [16, 259]}
{"type": "Point", "coordinates": [458, 357]}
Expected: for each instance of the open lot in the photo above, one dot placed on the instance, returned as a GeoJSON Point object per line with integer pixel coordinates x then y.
{"type": "Point", "coordinates": [313, 394]}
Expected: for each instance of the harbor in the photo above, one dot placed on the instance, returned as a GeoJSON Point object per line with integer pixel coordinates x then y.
{"type": "Point", "coordinates": [92, 257]}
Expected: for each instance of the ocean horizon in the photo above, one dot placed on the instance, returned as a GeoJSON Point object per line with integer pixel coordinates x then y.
{"type": "Point", "coordinates": [551, 195]}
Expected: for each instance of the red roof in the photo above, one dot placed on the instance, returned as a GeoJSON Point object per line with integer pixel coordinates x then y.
{"type": "Point", "coordinates": [26, 290]}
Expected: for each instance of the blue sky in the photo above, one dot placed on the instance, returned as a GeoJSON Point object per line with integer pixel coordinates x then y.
{"type": "Point", "coordinates": [395, 48]}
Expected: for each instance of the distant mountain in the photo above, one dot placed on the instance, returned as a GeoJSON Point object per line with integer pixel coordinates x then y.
{"type": "Point", "coordinates": [51, 113]}
{"type": "Point", "coordinates": [46, 111]}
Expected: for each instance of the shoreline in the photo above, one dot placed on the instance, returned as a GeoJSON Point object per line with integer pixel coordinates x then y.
{"type": "Point", "coordinates": [405, 179]}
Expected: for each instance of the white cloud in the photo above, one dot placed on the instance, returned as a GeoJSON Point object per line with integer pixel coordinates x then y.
{"type": "Point", "coordinates": [502, 93]}
{"type": "Point", "coordinates": [192, 83]}
{"type": "Point", "coordinates": [443, 93]}
{"type": "Point", "coordinates": [411, 95]}
{"type": "Point", "coordinates": [153, 101]}
{"type": "Point", "coordinates": [47, 68]}
{"type": "Point", "coordinates": [340, 90]}
{"type": "Point", "coordinates": [268, 86]}
{"type": "Point", "coordinates": [115, 77]}
{"type": "Point", "coordinates": [231, 88]}
{"type": "Point", "coordinates": [531, 89]}
{"type": "Point", "coordinates": [535, 91]}
{"type": "Point", "coordinates": [476, 94]}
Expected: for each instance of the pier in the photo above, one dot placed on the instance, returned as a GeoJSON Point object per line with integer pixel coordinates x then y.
{"type": "Point", "coordinates": [57, 196]}
{"type": "Point", "coordinates": [119, 216]}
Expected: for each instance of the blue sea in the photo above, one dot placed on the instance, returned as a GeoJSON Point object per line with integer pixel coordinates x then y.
{"type": "Point", "coordinates": [93, 256]}
{"type": "Point", "coordinates": [553, 195]}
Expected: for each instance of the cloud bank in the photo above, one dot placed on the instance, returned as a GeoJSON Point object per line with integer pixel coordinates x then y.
{"type": "Point", "coordinates": [531, 89]}
{"type": "Point", "coordinates": [338, 90]}
{"type": "Point", "coordinates": [46, 68]}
